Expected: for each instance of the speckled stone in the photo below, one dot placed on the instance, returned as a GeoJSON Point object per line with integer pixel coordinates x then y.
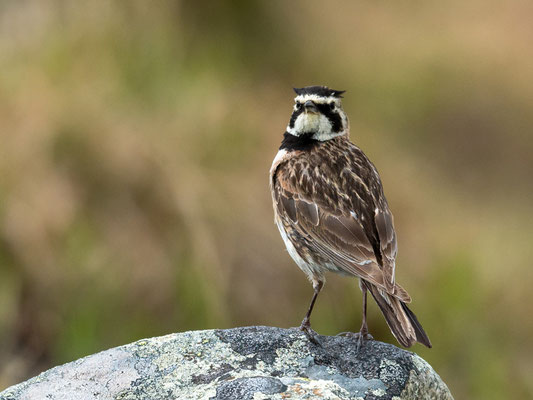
{"type": "Point", "coordinates": [242, 363]}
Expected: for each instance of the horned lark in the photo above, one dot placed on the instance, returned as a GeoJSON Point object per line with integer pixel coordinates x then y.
{"type": "Point", "coordinates": [332, 214]}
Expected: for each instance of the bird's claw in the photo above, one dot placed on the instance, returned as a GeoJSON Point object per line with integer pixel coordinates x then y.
{"type": "Point", "coordinates": [360, 337]}
{"type": "Point", "coordinates": [305, 327]}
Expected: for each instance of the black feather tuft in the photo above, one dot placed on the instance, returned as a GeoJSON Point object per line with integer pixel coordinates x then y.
{"type": "Point", "coordinates": [322, 91]}
{"type": "Point", "coordinates": [302, 142]}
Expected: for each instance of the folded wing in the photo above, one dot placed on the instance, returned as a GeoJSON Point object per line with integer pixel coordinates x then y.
{"type": "Point", "coordinates": [339, 236]}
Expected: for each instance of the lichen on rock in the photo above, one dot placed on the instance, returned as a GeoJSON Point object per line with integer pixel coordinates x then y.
{"type": "Point", "coordinates": [242, 363]}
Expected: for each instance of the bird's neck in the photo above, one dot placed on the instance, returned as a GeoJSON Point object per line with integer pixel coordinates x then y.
{"type": "Point", "coordinates": [305, 141]}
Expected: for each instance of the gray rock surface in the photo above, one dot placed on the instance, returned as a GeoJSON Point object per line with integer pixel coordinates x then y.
{"type": "Point", "coordinates": [251, 363]}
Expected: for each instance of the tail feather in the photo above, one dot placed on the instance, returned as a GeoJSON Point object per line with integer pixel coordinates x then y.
{"type": "Point", "coordinates": [421, 335]}
{"type": "Point", "coordinates": [401, 320]}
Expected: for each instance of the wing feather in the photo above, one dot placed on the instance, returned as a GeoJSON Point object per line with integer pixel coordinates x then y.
{"type": "Point", "coordinates": [339, 238]}
{"type": "Point", "coordinates": [387, 239]}
{"type": "Point", "coordinates": [308, 212]}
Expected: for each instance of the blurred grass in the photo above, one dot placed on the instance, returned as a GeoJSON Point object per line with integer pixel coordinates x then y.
{"type": "Point", "coordinates": [136, 143]}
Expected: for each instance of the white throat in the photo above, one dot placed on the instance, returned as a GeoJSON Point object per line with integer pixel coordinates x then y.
{"type": "Point", "coordinates": [317, 123]}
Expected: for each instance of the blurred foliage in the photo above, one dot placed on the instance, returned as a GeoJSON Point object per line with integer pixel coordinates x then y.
{"type": "Point", "coordinates": [136, 143]}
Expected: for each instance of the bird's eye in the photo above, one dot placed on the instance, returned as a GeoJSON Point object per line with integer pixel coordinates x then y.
{"type": "Point", "coordinates": [298, 105]}
{"type": "Point", "coordinates": [332, 105]}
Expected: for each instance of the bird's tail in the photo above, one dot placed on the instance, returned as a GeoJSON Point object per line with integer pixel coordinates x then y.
{"type": "Point", "coordinates": [401, 320]}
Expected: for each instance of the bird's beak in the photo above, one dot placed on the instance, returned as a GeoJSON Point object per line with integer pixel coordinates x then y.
{"type": "Point", "coordinates": [309, 106]}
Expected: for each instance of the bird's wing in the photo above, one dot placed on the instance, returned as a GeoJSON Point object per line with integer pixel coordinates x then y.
{"type": "Point", "coordinates": [387, 240]}
{"type": "Point", "coordinates": [336, 236]}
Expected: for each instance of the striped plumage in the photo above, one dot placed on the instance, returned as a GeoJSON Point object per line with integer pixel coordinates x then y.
{"type": "Point", "coordinates": [332, 213]}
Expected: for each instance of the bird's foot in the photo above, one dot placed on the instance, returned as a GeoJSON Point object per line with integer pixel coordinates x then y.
{"type": "Point", "coordinates": [305, 327]}
{"type": "Point", "coordinates": [360, 337]}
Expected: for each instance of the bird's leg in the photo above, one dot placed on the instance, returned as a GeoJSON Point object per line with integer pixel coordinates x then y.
{"type": "Point", "coordinates": [364, 326]}
{"type": "Point", "coordinates": [306, 323]}
{"type": "Point", "coordinates": [363, 332]}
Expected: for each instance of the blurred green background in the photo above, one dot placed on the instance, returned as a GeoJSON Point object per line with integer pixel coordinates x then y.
{"type": "Point", "coordinates": [136, 139]}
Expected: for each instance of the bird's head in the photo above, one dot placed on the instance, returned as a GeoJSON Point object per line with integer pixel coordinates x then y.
{"type": "Point", "coordinates": [318, 113]}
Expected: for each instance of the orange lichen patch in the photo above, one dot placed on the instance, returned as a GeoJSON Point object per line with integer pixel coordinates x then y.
{"type": "Point", "coordinates": [297, 388]}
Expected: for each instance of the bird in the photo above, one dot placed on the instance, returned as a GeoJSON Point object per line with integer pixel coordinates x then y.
{"type": "Point", "coordinates": [332, 214]}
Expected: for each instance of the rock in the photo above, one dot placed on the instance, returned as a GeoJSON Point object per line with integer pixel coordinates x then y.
{"type": "Point", "coordinates": [238, 364]}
